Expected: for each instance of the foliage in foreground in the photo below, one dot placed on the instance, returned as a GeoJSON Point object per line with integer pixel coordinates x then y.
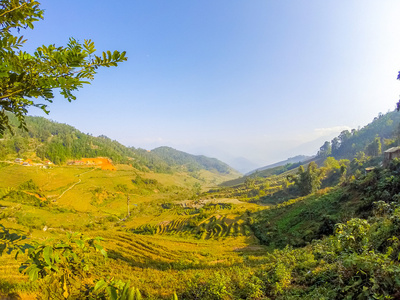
{"type": "Point", "coordinates": [25, 77]}
{"type": "Point", "coordinates": [358, 260]}
{"type": "Point", "coordinates": [63, 267]}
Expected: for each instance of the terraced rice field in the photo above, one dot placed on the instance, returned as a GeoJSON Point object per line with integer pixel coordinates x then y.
{"type": "Point", "coordinates": [216, 226]}
{"type": "Point", "coordinates": [157, 264]}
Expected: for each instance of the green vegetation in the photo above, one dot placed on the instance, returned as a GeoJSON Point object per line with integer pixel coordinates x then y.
{"type": "Point", "coordinates": [26, 77]}
{"type": "Point", "coordinates": [214, 248]}
{"type": "Point", "coordinates": [328, 231]}
{"type": "Point", "coordinates": [307, 181]}
{"type": "Point", "coordinates": [191, 162]}
{"type": "Point", "coordinates": [379, 135]}
{"type": "Point", "coordinates": [58, 143]}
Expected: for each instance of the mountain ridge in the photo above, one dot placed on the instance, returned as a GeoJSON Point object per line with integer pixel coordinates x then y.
{"type": "Point", "coordinates": [290, 160]}
{"type": "Point", "coordinates": [58, 143]}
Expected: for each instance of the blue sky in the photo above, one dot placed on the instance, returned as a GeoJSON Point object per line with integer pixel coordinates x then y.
{"type": "Point", "coordinates": [264, 80]}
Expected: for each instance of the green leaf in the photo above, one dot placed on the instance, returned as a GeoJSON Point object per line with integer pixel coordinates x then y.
{"type": "Point", "coordinates": [112, 292]}
{"type": "Point", "coordinates": [62, 81]}
{"type": "Point", "coordinates": [47, 255]}
{"type": "Point", "coordinates": [104, 253]}
{"type": "Point", "coordinates": [80, 243]}
{"type": "Point", "coordinates": [100, 285]}
{"type": "Point", "coordinates": [33, 273]}
{"type": "Point", "coordinates": [125, 291]}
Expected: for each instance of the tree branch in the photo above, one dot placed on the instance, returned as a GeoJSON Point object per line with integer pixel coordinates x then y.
{"type": "Point", "coordinates": [11, 94]}
{"type": "Point", "coordinates": [8, 11]}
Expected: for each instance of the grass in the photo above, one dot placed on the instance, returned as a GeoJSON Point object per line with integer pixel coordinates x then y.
{"type": "Point", "coordinates": [156, 264]}
{"type": "Point", "coordinates": [298, 221]}
{"type": "Point", "coordinates": [54, 184]}
{"type": "Point", "coordinates": [174, 240]}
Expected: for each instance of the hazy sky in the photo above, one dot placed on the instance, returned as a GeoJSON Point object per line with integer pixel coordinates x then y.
{"type": "Point", "coordinates": [259, 79]}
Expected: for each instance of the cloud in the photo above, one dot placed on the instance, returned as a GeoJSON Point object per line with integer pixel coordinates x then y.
{"type": "Point", "coordinates": [330, 130]}
{"type": "Point", "coordinates": [327, 133]}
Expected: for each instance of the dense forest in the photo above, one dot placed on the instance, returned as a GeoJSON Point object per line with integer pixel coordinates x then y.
{"type": "Point", "coordinates": [192, 162]}
{"type": "Point", "coordinates": [48, 140]}
{"type": "Point", "coordinates": [382, 133]}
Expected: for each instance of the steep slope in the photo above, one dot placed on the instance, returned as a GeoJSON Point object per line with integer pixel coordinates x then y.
{"type": "Point", "coordinates": [49, 140]}
{"type": "Point", "coordinates": [348, 144]}
{"type": "Point", "coordinates": [192, 162]}
{"type": "Point", "coordinates": [291, 160]}
{"type": "Point", "coordinates": [264, 173]}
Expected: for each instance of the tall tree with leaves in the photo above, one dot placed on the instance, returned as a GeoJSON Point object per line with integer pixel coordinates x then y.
{"type": "Point", "coordinates": [24, 77]}
{"type": "Point", "coordinates": [308, 181]}
{"type": "Point", "coordinates": [375, 147]}
{"type": "Point", "coordinates": [325, 150]}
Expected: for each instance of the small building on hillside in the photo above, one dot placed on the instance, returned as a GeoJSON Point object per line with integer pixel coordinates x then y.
{"type": "Point", "coordinates": [390, 154]}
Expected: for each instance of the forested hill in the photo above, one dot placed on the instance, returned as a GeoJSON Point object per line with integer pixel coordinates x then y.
{"type": "Point", "coordinates": [379, 135]}
{"type": "Point", "coordinates": [291, 160]}
{"type": "Point", "coordinates": [371, 140]}
{"type": "Point", "coordinates": [192, 162]}
{"type": "Point", "coordinates": [49, 140]}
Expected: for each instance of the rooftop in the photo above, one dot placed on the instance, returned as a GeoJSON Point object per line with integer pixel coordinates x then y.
{"type": "Point", "coordinates": [393, 149]}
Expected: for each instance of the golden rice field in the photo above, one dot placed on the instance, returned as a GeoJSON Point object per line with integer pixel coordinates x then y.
{"type": "Point", "coordinates": [182, 243]}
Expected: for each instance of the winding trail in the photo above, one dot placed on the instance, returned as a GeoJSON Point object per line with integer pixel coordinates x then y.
{"type": "Point", "coordinates": [78, 175]}
{"type": "Point", "coordinates": [80, 180]}
{"type": "Point", "coordinates": [67, 190]}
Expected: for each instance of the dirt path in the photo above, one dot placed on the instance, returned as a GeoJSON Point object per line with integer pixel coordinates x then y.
{"type": "Point", "coordinates": [67, 190]}
{"type": "Point", "coordinates": [72, 186]}
{"type": "Point", "coordinates": [77, 175]}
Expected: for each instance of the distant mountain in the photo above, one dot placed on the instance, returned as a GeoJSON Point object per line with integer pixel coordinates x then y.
{"type": "Point", "coordinates": [291, 160]}
{"type": "Point", "coordinates": [274, 169]}
{"type": "Point", "coordinates": [191, 162]}
{"type": "Point", "coordinates": [49, 140]}
{"type": "Point", "coordinates": [243, 165]}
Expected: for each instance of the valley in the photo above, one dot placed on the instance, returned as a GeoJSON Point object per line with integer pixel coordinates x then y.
{"type": "Point", "coordinates": [86, 216]}
{"type": "Point", "coordinates": [152, 247]}
{"type": "Point", "coordinates": [192, 231]}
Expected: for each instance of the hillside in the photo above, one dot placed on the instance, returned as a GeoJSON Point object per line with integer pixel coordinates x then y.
{"type": "Point", "coordinates": [58, 143]}
{"type": "Point", "coordinates": [215, 245]}
{"type": "Point", "coordinates": [348, 143]}
{"type": "Point", "coordinates": [88, 218]}
{"type": "Point", "coordinates": [191, 162]}
{"type": "Point", "coordinates": [177, 234]}
{"type": "Point", "coordinates": [291, 160]}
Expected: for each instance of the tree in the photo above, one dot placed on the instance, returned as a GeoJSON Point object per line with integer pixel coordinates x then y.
{"type": "Point", "coordinates": [335, 146]}
{"type": "Point", "coordinates": [308, 181]}
{"type": "Point", "coordinates": [25, 78]}
{"type": "Point", "coordinates": [375, 147]}
{"type": "Point", "coordinates": [123, 188]}
{"type": "Point", "coordinates": [344, 136]}
{"type": "Point", "coordinates": [325, 150]}
{"type": "Point", "coordinates": [62, 265]}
